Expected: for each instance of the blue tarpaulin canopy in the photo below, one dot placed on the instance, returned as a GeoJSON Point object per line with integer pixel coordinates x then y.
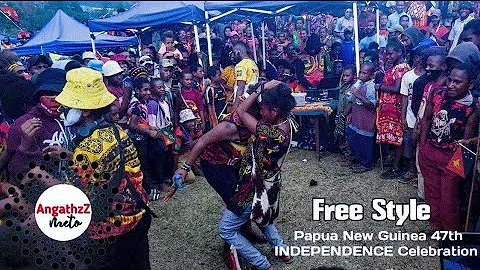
{"type": "Point", "coordinates": [154, 13]}
{"type": "Point", "coordinates": [63, 34]}
{"type": "Point", "coordinates": [12, 39]}
{"type": "Point", "coordinates": [272, 8]}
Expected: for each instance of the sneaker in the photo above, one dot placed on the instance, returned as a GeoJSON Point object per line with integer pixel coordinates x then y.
{"type": "Point", "coordinates": [391, 174]}
{"type": "Point", "coordinates": [361, 169]}
{"type": "Point", "coordinates": [154, 195]}
{"type": "Point", "coordinates": [403, 180]}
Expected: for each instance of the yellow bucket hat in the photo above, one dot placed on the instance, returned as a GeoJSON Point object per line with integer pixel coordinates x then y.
{"type": "Point", "coordinates": [85, 90]}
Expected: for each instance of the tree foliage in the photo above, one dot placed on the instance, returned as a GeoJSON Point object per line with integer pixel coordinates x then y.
{"type": "Point", "coordinates": [33, 15]}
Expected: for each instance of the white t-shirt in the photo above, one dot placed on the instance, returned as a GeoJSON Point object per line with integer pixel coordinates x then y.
{"type": "Point", "coordinates": [406, 89]}
{"type": "Point", "coordinates": [456, 30]}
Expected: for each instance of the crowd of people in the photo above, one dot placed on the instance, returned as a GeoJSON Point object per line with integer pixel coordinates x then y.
{"type": "Point", "coordinates": [129, 122]}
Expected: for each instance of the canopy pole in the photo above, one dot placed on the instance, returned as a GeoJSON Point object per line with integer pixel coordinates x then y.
{"type": "Point", "coordinates": [378, 24]}
{"type": "Point", "coordinates": [254, 47]}
{"type": "Point", "coordinates": [139, 44]}
{"type": "Point", "coordinates": [93, 42]}
{"type": "Point", "coordinates": [197, 42]}
{"type": "Point", "coordinates": [355, 28]}
{"type": "Point", "coordinates": [263, 46]}
{"type": "Point", "coordinates": [209, 40]}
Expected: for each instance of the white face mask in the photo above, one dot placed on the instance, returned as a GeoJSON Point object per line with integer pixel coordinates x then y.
{"type": "Point", "coordinates": [72, 117]}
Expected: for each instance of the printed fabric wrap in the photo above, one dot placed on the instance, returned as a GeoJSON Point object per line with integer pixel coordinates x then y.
{"type": "Point", "coordinates": [389, 112]}
{"type": "Point", "coordinates": [260, 173]}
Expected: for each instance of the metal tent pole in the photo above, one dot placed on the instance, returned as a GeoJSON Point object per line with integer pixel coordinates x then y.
{"type": "Point", "coordinates": [92, 39]}
{"type": "Point", "coordinates": [254, 47]}
{"type": "Point", "coordinates": [263, 46]}
{"type": "Point", "coordinates": [355, 28]}
{"type": "Point", "coordinates": [378, 24]}
{"type": "Point", "coordinates": [197, 42]}
{"type": "Point", "coordinates": [209, 40]}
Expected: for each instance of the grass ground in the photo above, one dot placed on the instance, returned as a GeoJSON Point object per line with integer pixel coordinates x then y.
{"type": "Point", "coordinates": [185, 236]}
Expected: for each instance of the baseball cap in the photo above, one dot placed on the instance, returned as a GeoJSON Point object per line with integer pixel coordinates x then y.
{"type": "Point", "coordinates": [145, 60]}
{"type": "Point", "coordinates": [233, 33]}
{"type": "Point", "coordinates": [396, 28]}
{"type": "Point", "coordinates": [166, 63]}
{"type": "Point", "coordinates": [435, 12]}
{"type": "Point", "coordinates": [88, 55]}
{"type": "Point", "coordinates": [465, 5]}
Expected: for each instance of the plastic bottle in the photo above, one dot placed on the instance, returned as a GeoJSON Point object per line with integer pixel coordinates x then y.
{"type": "Point", "coordinates": [178, 182]}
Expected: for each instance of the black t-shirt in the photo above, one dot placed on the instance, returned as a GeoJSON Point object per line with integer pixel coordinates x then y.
{"type": "Point", "coordinates": [217, 97]}
{"type": "Point", "coordinates": [417, 94]}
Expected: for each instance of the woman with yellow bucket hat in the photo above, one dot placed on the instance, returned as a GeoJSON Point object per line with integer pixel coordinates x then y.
{"type": "Point", "coordinates": [111, 159]}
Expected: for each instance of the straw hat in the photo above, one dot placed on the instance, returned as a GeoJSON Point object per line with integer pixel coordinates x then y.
{"type": "Point", "coordinates": [85, 90]}
{"type": "Point", "coordinates": [186, 115]}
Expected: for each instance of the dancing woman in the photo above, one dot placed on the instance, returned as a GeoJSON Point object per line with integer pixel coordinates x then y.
{"type": "Point", "coordinates": [261, 161]}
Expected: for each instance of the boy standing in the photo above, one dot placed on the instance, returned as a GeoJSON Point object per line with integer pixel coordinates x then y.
{"type": "Point", "coordinates": [343, 110]}
{"type": "Point", "coordinates": [193, 99]}
{"type": "Point", "coordinates": [215, 96]}
{"type": "Point", "coordinates": [409, 118]}
{"type": "Point", "coordinates": [362, 128]}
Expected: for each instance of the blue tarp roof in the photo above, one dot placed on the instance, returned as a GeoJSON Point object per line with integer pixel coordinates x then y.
{"type": "Point", "coordinates": [336, 8]}
{"type": "Point", "coordinates": [63, 34]}
{"type": "Point", "coordinates": [12, 39]}
{"type": "Point", "coordinates": [154, 13]}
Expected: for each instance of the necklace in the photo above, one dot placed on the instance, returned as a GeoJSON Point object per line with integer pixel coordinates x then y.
{"type": "Point", "coordinates": [280, 123]}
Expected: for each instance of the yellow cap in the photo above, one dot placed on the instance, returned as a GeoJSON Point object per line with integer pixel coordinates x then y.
{"type": "Point", "coordinates": [85, 90]}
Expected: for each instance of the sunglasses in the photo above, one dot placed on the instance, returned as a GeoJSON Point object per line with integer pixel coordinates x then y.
{"type": "Point", "coordinates": [41, 66]}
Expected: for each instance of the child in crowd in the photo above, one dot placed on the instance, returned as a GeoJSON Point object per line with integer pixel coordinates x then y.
{"type": "Point", "coordinates": [184, 140]}
{"type": "Point", "coordinates": [199, 81]}
{"type": "Point", "coordinates": [168, 46]}
{"type": "Point", "coordinates": [343, 116]}
{"type": "Point", "coordinates": [361, 130]}
{"type": "Point", "coordinates": [215, 98]}
{"type": "Point", "coordinates": [389, 116]}
{"type": "Point", "coordinates": [193, 100]}
{"type": "Point", "coordinates": [450, 116]}
{"type": "Point", "coordinates": [140, 132]}
{"type": "Point", "coordinates": [159, 118]}
{"type": "Point", "coordinates": [288, 77]}
{"type": "Point", "coordinates": [409, 118]}
{"type": "Point", "coordinates": [114, 114]}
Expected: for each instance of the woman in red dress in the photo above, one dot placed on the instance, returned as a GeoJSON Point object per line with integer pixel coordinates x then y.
{"type": "Point", "coordinates": [389, 118]}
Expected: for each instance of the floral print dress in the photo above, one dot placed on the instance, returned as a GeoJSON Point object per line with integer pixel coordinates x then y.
{"type": "Point", "coordinates": [389, 113]}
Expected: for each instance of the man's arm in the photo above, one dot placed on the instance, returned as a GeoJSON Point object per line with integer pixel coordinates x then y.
{"type": "Point", "coordinates": [427, 119]}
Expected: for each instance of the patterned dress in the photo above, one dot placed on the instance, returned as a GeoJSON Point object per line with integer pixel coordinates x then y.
{"type": "Point", "coordinates": [389, 113]}
{"type": "Point", "coordinates": [269, 145]}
